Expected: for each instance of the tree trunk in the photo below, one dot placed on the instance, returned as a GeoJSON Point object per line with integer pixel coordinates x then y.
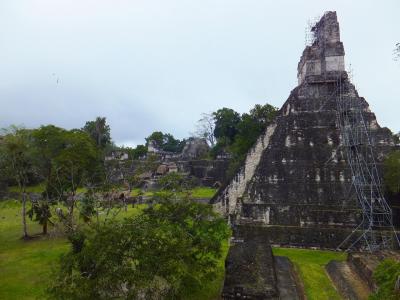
{"type": "Point", "coordinates": [71, 212]}
{"type": "Point", "coordinates": [45, 228]}
{"type": "Point", "coordinates": [24, 228]}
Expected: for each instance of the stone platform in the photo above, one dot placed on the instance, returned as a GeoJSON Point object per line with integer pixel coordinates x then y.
{"type": "Point", "coordinates": [252, 272]}
{"type": "Point", "coordinates": [353, 278]}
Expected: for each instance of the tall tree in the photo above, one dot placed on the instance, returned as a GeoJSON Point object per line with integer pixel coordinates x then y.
{"type": "Point", "coordinates": [74, 165]}
{"type": "Point", "coordinates": [251, 126]}
{"type": "Point", "coordinates": [139, 151]}
{"type": "Point", "coordinates": [263, 114]}
{"type": "Point", "coordinates": [48, 142]}
{"type": "Point", "coordinates": [226, 122]}
{"type": "Point", "coordinates": [157, 137]}
{"type": "Point", "coordinates": [16, 162]}
{"type": "Point", "coordinates": [165, 142]}
{"type": "Point", "coordinates": [205, 128]}
{"type": "Point", "coordinates": [99, 131]}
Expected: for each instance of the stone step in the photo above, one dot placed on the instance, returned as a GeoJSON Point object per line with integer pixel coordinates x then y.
{"type": "Point", "coordinates": [286, 278]}
{"type": "Point", "coordinates": [347, 281]}
{"type": "Point", "coordinates": [365, 264]}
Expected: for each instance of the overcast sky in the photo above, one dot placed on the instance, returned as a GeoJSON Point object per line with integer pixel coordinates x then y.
{"type": "Point", "coordinates": [157, 65]}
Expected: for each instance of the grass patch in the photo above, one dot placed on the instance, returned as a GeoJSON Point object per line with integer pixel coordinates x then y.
{"type": "Point", "coordinates": [38, 188]}
{"type": "Point", "coordinates": [25, 266]}
{"type": "Point", "coordinates": [203, 192]}
{"type": "Point", "coordinates": [196, 193]}
{"type": "Point", "coordinates": [310, 265]}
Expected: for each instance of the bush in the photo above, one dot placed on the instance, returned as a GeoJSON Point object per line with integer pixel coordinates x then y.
{"type": "Point", "coordinates": [386, 275]}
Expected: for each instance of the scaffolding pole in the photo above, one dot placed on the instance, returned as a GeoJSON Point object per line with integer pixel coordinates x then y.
{"type": "Point", "coordinates": [376, 230]}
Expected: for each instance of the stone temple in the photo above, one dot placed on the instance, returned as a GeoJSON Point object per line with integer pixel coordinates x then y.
{"type": "Point", "coordinates": [295, 187]}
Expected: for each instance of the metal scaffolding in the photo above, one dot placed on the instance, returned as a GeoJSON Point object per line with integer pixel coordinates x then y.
{"type": "Point", "coordinates": [376, 231]}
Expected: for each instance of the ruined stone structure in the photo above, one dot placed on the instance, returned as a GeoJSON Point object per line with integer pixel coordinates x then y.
{"type": "Point", "coordinates": [195, 148]}
{"type": "Point", "coordinates": [295, 187]}
{"type": "Point", "coordinates": [295, 180]}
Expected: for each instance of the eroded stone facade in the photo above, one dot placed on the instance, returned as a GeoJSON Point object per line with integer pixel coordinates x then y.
{"type": "Point", "coordinates": [296, 182]}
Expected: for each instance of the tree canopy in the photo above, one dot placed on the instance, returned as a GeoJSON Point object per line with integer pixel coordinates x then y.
{"type": "Point", "coordinates": [99, 131]}
{"type": "Point", "coordinates": [236, 133]}
{"type": "Point", "coordinates": [226, 125]}
{"type": "Point", "coordinates": [165, 142]}
{"type": "Point", "coordinates": [167, 251]}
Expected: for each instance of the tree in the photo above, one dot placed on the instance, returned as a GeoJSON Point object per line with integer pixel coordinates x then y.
{"type": "Point", "coordinates": [48, 142]}
{"type": "Point", "coordinates": [99, 131]}
{"type": "Point", "coordinates": [392, 172]}
{"type": "Point", "coordinates": [263, 114]}
{"type": "Point", "coordinates": [237, 134]}
{"type": "Point", "coordinates": [168, 251]}
{"type": "Point", "coordinates": [40, 212]}
{"type": "Point", "coordinates": [157, 137]}
{"type": "Point", "coordinates": [17, 162]}
{"type": "Point", "coordinates": [397, 52]}
{"type": "Point", "coordinates": [88, 206]}
{"type": "Point", "coordinates": [171, 144]}
{"type": "Point", "coordinates": [250, 127]}
{"type": "Point", "coordinates": [173, 182]}
{"type": "Point", "coordinates": [205, 128]}
{"type": "Point", "coordinates": [74, 165]}
{"type": "Point", "coordinates": [165, 142]}
{"type": "Point", "coordinates": [226, 122]}
{"type": "Point", "coordinates": [138, 152]}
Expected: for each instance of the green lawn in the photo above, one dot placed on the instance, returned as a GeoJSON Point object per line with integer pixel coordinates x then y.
{"type": "Point", "coordinates": [196, 193]}
{"type": "Point", "coordinates": [29, 189]}
{"type": "Point", "coordinates": [39, 188]}
{"type": "Point", "coordinates": [24, 265]}
{"type": "Point", "coordinates": [310, 265]}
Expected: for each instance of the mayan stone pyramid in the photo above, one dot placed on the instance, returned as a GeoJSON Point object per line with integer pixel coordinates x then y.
{"type": "Point", "coordinates": [296, 186]}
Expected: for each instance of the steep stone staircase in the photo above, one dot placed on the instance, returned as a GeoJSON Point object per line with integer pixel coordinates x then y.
{"type": "Point", "coordinates": [226, 202]}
